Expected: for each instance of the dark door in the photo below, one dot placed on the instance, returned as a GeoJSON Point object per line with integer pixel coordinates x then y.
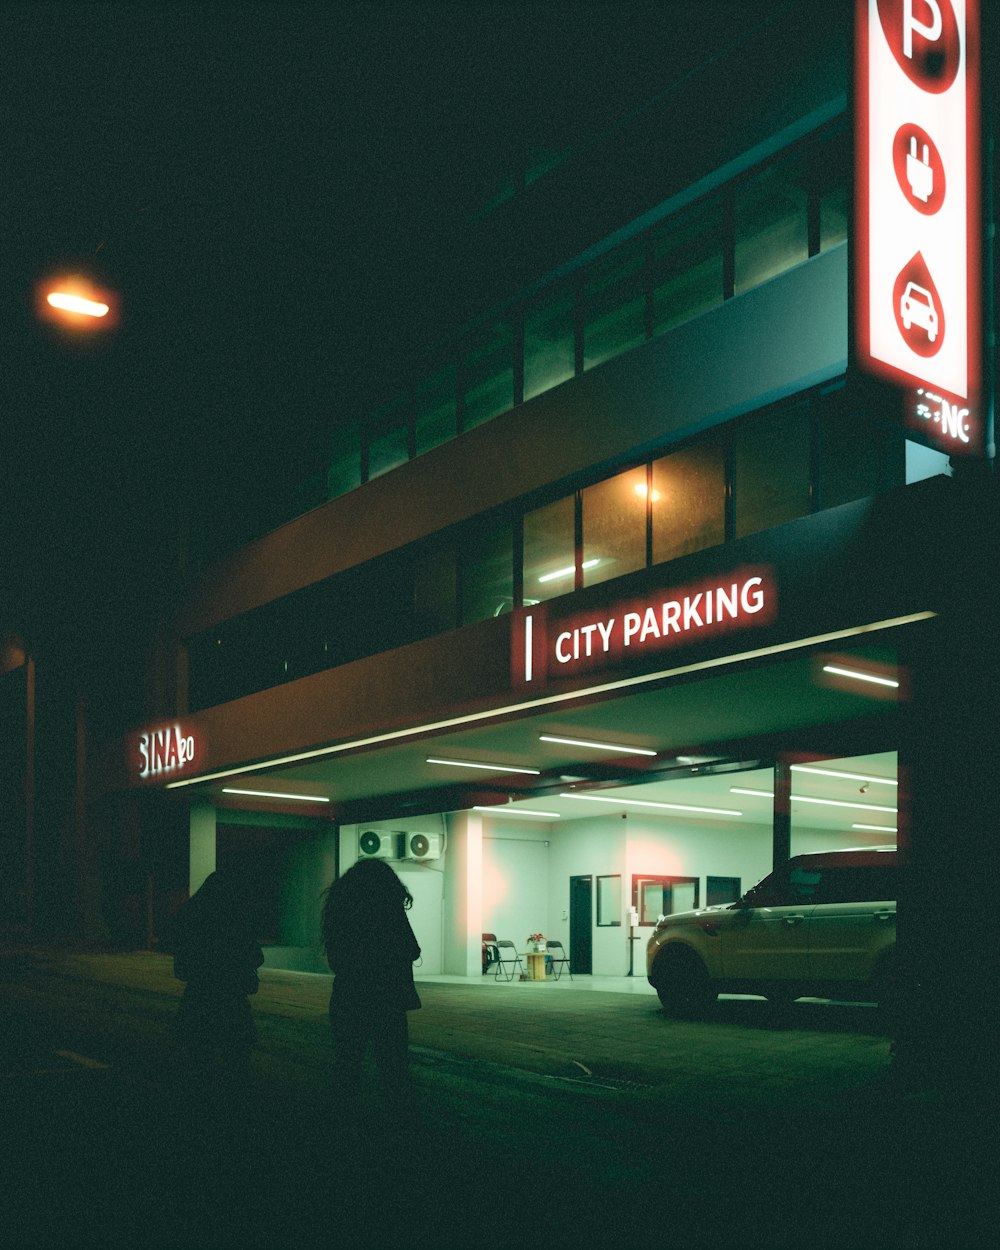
{"type": "Point", "coordinates": [581, 922]}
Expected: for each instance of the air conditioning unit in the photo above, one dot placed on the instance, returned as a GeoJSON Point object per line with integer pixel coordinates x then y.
{"type": "Point", "coordinates": [379, 844]}
{"type": "Point", "coordinates": [423, 845]}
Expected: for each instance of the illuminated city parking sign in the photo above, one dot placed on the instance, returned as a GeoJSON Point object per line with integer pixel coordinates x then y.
{"type": "Point", "coordinates": [562, 646]}
{"type": "Point", "coordinates": [917, 209]}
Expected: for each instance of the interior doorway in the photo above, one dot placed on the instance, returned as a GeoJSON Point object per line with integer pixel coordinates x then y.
{"type": "Point", "coordinates": [581, 925]}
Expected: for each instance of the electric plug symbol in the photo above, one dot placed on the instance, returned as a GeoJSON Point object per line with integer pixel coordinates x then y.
{"type": "Point", "coordinates": [919, 171]}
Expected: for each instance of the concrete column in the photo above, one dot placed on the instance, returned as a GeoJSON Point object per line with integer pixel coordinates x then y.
{"type": "Point", "coordinates": [463, 896]}
{"type": "Point", "coordinates": [781, 831]}
{"type": "Point", "coordinates": [201, 844]}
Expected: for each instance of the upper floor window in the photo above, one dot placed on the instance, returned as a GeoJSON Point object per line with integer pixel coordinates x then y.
{"type": "Point", "coordinates": [770, 223]}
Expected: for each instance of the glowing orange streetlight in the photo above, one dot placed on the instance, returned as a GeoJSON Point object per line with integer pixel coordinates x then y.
{"type": "Point", "coordinates": [75, 302]}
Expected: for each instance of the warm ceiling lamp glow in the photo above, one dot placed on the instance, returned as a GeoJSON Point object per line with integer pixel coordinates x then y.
{"type": "Point", "coordinates": [642, 490]}
{"type": "Point", "coordinates": [490, 768]}
{"type": "Point", "coordinates": [833, 772]}
{"type": "Point", "coordinates": [77, 304]}
{"type": "Point", "coordinates": [858, 675]}
{"type": "Point", "coordinates": [272, 794]}
{"type": "Point", "coordinates": [598, 746]}
{"type": "Point", "coordinates": [668, 807]}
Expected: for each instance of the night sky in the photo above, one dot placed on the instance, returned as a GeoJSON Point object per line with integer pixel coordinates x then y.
{"type": "Point", "coordinates": [271, 190]}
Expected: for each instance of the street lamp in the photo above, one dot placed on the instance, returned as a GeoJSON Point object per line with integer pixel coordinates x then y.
{"type": "Point", "coordinates": [75, 302]}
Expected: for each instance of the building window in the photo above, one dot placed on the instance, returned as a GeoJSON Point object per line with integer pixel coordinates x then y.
{"type": "Point", "coordinates": [486, 572]}
{"type": "Point", "coordinates": [344, 472]}
{"type": "Point", "coordinates": [550, 550]}
{"type": "Point", "coordinates": [653, 897]}
{"type": "Point", "coordinates": [549, 343]}
{"type": "Point", "coordinates": [488, 376]}
{"type": "Point", "coordinates": [435, 608]}
{"type": "Point", "coordinates": [689, 500]}
{"type": "Point", "coordinates": [434, 410]}
{"type": "Point", "coordinates": [686, 258]}
{"type": "Point", "coordinates": [614, 304]}
{"type": "Point", "coordinates": [770, 220]}
{"type": "Point", "coordinates": [860, 455]}
{"type": "Point", "coordinates": [772, 458]}
{"type": "Point", "coordinates": [614, 526]}
{"type": "Point", "coordinates": [609, 901]}
{"type": "Point", "coordinates": [389, 439]}
{"type": "Point", "coordinates": [721, 890]}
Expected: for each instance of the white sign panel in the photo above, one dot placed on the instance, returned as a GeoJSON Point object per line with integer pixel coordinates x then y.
{"type": "Point", "coordinates": [917, 151]}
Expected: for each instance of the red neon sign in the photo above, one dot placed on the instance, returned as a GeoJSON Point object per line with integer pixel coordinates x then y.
{"type": "Point", "coordinates": [164, 751]}
{"type": "Point", "coordinates": [917, 211]}
{"type": "Point", "coordinates": [546, 647]}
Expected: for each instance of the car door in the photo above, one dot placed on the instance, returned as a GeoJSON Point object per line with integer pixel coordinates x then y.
{"type": "Point", "coordinates": [767, 941]}
{"type": "Point", "coordinates": [852, 923]}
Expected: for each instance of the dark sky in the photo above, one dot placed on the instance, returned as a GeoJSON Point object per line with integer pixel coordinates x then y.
{"type": "Point", "coordinates": [270, 188]}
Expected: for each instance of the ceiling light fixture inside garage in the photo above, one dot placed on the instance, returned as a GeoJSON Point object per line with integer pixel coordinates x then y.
{"type": "Point", "coordinates": [271, 794]}
{"type": "Point", "coordinates": [668, 807]}
{"type": "Point", "coordinates": [804, 798]}
{"type": "Point", "coordinates": [523, 811]}
{"type": "Point", "coordinates": [490, 768]}
{"type": "Point", "coordinates": [597, 746]}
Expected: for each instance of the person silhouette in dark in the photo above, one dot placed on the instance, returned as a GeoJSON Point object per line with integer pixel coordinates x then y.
{"type": "Point", "coordinates": [217, 954]}
{"type": "Point", "coordinates": [371, 949]}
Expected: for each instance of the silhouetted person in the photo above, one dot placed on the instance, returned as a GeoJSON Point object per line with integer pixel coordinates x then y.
{"type": "Point", "coordinates": [217, 954]}
{"type": "Point", "coordinates": [371, 950]}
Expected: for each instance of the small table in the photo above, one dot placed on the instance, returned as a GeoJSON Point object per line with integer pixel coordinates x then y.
{"type": "Point", "coordinates": [536, 965]}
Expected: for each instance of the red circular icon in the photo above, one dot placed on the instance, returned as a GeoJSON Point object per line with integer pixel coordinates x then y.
{"type": "Point", "coordinates": [919, 168]}
{"type": "Point", "coordinates": [924, 38]}
{"type": "Point", "coordinates": [917, 308]}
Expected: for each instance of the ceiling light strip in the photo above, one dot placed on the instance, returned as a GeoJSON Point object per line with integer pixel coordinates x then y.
{"type": "Point", "coordinates": [552, 700]}
{"type": "Point", "coordinates": [524, 811]}
{"type": "Point", "coordinates": [597, 746]}
{"type": "Point", "coordinates": [858, 675]}
{"type": "Point", "coordinates": [877, 828]}
{"type": "Point", "coordinates": [833, 772]}
{"type": "Point", "coordinates": [804, 798]}
{"type": "Point", "coordinates": [271, 794]}
{"type": "Point", "coordinates": [668, 807]}
{"type": "Point", "coordinates": [489, 768]}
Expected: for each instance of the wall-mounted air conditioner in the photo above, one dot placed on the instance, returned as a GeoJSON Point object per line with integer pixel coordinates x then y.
{"type": "Point", "coordinates": [379, 844]}
{"type": "Point", "coordinates": [423, 845]}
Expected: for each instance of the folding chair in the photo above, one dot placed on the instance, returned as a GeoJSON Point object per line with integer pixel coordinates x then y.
{"type": "Point", "coordinates": [490, 952]}
{"type": "Point", "coordinates": [505, 960]}
{"type": "Point", "coordinates": [557, 958]}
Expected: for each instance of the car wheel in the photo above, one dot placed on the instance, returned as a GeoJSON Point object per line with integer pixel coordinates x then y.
{"type": "Point", "coordinates": [682, 984]}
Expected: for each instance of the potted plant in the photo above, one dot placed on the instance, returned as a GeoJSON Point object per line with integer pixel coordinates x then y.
{"type": "Point", "coordinates": [536, 941]}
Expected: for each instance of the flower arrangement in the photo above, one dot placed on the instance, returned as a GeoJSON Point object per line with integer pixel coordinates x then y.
{"type": "Point", "coordinates": [536, 941]}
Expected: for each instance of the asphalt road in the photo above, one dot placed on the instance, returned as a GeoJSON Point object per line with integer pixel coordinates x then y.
{"type": "Point", "coordinates": [107, 1144]}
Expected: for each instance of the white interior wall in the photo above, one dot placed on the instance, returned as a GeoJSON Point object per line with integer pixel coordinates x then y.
{"type": "Point", "coordinates": [516, 867]}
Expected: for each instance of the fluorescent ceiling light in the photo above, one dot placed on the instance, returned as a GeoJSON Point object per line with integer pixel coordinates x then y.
{"type": "Point", "coordinates": [667, 807]}
{"type": "Point", "coordinates": [859, 676]}
{"type": "Point", "coordinates": [523, 811]}
{"type": "Point", "coordinates": [490, 768]}
{"type": "Point", "coordinates": [833, 772]}
{"type": "Point", "coordinates": [271, 794]}
{"type": "Point", "coordinates": [598, 746]}
{"type": "Point", "coordinates": [521, 706]}
{"type": "Point", "coordinates": [877, 828]}
{"type": "Point", "coordinates": [568, 571]}
{"type": "Point", "coordinates": [803, 798]}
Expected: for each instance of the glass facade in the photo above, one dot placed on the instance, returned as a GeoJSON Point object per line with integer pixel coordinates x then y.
{"type": "Point", "coordinates": [748, 475]}
{"type": "Point", "coordinates": [733, 239]}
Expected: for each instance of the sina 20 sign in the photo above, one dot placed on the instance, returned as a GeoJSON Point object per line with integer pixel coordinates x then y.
{"type": "Point", "coordinates": [917, 211]}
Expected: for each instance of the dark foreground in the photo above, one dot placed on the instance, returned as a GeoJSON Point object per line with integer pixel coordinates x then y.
{"type": "Point", "coordinates": [106, 1143]}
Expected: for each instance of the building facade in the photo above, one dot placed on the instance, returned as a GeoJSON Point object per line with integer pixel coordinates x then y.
{"type": "Point", "coordinates": [638, 582]}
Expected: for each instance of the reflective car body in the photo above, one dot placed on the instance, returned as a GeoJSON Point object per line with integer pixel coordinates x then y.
{"type": "Point", "coordinates": [822, 925]}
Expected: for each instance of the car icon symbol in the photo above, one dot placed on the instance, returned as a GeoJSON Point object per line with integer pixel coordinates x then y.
{"type": "Point", "coordinates": [916, 307]}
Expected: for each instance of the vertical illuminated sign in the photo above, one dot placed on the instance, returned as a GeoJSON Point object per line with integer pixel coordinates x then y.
{"type": "Point", "coordinates": [917, 210]}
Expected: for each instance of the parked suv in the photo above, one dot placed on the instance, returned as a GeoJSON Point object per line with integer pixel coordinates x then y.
{"type": "Point", "coordinates": [822, 925]}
